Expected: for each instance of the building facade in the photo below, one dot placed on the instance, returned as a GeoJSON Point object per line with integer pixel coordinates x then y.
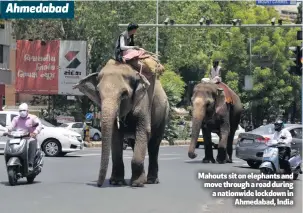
{"type": "Point", "coordinates": [8, 96]}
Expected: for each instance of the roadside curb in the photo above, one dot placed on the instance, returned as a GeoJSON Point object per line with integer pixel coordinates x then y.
{"type": "Point", "coordinates": [97, 144]}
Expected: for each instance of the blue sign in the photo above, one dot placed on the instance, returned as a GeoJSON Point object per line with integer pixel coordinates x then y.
{"type": "Point", "coordinates": [36, 9]}
{"type": "Point", "coordinates": [89, 116]}
{"type": "Point", "coordinates": [276, 2]}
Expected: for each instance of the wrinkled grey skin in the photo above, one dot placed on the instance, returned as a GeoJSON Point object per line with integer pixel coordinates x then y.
{"type": "Point", "coordinates": [211, 113]}
{"type": "Point", "coordinates": [121, 94]}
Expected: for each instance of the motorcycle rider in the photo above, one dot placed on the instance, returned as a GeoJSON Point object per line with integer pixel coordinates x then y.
{"type": "Point", "coordinates": [30, 123]}
{"type": "Point", "coordinates": [283, 136]}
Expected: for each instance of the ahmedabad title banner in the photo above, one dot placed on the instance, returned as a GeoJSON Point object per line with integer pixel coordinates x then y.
{"type": "Point", "coordinates": [51, 67]}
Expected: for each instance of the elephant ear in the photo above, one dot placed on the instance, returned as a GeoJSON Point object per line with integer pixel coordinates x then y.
{"type": "Point", "coordinates": [142, 85]}
{"type": "Point", "coordinates": [89, 87]}
{"type": "Point", "coordinates": [220, 102]}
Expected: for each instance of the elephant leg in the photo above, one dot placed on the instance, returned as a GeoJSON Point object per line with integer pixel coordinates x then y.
{"type": "Point", "coordinates": [222, 156]}
{"type": "Point", "coordinates": [229, 148]}
{"type": "Point", "coordinates": [142, 137]}
{"type": "Point", "coordinates": [153, 153]}
{"type": "Point", "coordinates": [208, 147]}
{"type": "Point", "coordinates": [117, 176]}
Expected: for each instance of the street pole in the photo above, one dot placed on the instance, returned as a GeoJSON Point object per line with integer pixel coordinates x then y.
{"type": "Point", "coordinates": [157, 29]}
{"type": "Point", "coordinates": [250, 72]}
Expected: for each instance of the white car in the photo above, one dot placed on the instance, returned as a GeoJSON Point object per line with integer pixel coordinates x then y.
{"type": "Point", "coordinates": [215, 138]}
{"type": "Point", "coordinates": [54, 141]}
{"type": "Point", "coordinates": [94, 133]}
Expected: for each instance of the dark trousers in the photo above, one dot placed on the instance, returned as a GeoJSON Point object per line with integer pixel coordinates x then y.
{"type": "Point", "coordinates": [284, 155]}
{"type": "Point", "coordinates": [32, 149]}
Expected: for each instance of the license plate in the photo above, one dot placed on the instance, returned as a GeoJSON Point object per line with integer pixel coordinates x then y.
{"type": "Point", "coordinates": [200, 139]}
{"type": "Point", "coordinates": [247, 141]}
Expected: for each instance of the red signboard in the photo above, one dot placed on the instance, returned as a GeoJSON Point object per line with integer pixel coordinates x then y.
{"type": "Point", "coordinates": [37, 65]}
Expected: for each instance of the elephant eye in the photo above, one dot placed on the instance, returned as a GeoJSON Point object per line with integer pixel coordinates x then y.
{"type": "Point", "coordinates": [124, 94]}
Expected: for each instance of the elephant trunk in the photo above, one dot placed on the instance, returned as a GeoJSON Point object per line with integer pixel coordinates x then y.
{"type": "Point", "coordinates": [109, 111]}
{"type": "Point", "coordinates": [198, 115]}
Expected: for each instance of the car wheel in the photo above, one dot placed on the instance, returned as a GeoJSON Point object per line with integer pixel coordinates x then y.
{"type": "Point", "coordinates": [96, 137]}
{"type": "Point", "coordinates": [197, 145]}
{"type": "Point", "coordinates": [253, 164]}
{"type": "Point", "coordinates": [52, 148]}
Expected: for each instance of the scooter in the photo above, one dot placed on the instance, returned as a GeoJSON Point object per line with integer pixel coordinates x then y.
{"type": "Point", "coordinates": [16, 158]}
{"type": "Point", "coordinates": [270, 163]}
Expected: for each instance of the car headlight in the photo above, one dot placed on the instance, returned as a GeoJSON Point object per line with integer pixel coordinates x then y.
{"type": "Point", "coordinates": [70, 136]}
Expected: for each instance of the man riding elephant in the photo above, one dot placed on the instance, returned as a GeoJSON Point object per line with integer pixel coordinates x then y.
{"type": "Point", "coordinates": [215, 77]}
{"type": "Point", "coordinates": [145, 64]}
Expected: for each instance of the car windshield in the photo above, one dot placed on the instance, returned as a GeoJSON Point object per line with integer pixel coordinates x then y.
{"type": "Point", "coordinates": [45, 123]}
{"type": "Point", "coordinates": [265, 130]}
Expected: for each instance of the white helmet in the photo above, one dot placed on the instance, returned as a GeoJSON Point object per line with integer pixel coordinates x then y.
{"type": "Point", "coordinates": [23, 110]}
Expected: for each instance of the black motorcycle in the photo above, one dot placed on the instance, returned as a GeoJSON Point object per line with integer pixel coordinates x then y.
{"type": "Point", "coordinates": [16, 158]}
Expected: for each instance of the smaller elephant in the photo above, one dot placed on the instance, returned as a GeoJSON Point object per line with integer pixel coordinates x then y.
{"type": "Point", "coordinates": [215, 108]}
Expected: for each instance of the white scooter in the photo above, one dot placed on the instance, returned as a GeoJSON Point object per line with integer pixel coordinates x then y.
{"type": "Point", "coordinates": [270, 163]}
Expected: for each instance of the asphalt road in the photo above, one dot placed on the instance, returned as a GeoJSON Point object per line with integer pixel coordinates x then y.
{"type": "Point", "coordinates": [68, 184]}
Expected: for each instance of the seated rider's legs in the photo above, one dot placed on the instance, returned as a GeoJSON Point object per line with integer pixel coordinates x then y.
{"type": "Point", "coordinates": [32, 149]}
{"type": "Point", "coordinates": [284, 155]}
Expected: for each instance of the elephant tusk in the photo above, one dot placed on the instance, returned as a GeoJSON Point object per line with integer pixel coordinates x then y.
{"type": "Point", "coordinates": [118, 122]}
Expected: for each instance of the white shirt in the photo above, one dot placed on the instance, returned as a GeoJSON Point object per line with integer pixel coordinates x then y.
{"type": "Point", "coordinates": [122, 44]}
{"type": "Point", "coordinates": [285, 133]}
{"type": "Point", "coordinates": [215, 72]}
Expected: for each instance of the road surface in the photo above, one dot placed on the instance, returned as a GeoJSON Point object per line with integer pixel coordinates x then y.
{"type": "Point", "coordinates": [68, 184]}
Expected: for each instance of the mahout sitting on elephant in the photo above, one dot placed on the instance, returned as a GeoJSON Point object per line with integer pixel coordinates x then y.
{"type": "Point", "coordinates": [215, 108]}
{"type": "Point", "coordinates": [126, 110]}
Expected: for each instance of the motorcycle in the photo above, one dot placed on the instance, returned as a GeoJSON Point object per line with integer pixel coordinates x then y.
{"type": "Point", "coordinates": [16, 158]}
{"type": "Point", "coordinates": [270, 163]}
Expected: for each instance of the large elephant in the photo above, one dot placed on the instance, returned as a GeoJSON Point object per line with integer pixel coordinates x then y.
{"type": "Point", "coordinates": [125, 110]}
{"type": "Point", "coordinates": [215, 108]}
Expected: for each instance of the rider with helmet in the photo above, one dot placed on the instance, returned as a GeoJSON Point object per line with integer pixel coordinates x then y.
{"type": "Point", "coordinates": [282, 135]}
{"type": "Point", "coordinates": [30, 123]}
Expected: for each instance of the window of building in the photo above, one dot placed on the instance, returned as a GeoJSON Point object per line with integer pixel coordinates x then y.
{"type": "Point", "coordinates": [1, 53]}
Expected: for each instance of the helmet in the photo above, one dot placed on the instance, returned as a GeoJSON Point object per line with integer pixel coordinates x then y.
{"type": "Point", "coordinates": [279, 125]}
{"type": "Point", "coordinates": [23, 110]}
{"type": "Point", "coordinates": [132, 26]}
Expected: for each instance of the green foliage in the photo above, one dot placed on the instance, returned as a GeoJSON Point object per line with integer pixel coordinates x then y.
{"type": "Point", "coordinates": [189, 51]}
{"type": "Point", "coordinates": [173, 85]}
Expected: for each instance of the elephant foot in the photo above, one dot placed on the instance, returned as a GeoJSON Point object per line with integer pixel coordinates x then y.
{"type": "Point", "coordinates": [151, 180]}
{"type": "Point", "coordinates": [139, 182]}
{"type": "Point", "coordinates": [221, 161]}
{"type": "Point", "coordinates": [117, 181]}
{"type": "Point", "coordinates": [208, 160]}
{"type": "Point", "coordinates": [222, 155]}
{"type": "Point", "coordinates": [229, 160]}
{"type": "Point", "coordinates": [192, 155]}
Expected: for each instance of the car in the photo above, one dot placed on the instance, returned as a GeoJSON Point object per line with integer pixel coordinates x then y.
{"type": "Point", "coordinates": [94, 133]}
{"type": "Point", "coordinates": [215, 138]}
{"type": "Point", "coordinates": [54, 141]}
{"type": "Point", "coordinates": [251, 145]}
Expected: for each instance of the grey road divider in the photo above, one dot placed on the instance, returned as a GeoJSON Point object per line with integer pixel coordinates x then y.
{"type": "Point", "coordinates": [163, 143]}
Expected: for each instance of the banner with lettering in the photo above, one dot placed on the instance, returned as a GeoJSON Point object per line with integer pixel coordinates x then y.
{"type": "Point", "coordinates": [37, 67]}
{"type": "Point", "coordinates": [72, 66]}
{"type": "Point", "coordinates": [51, 67]}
